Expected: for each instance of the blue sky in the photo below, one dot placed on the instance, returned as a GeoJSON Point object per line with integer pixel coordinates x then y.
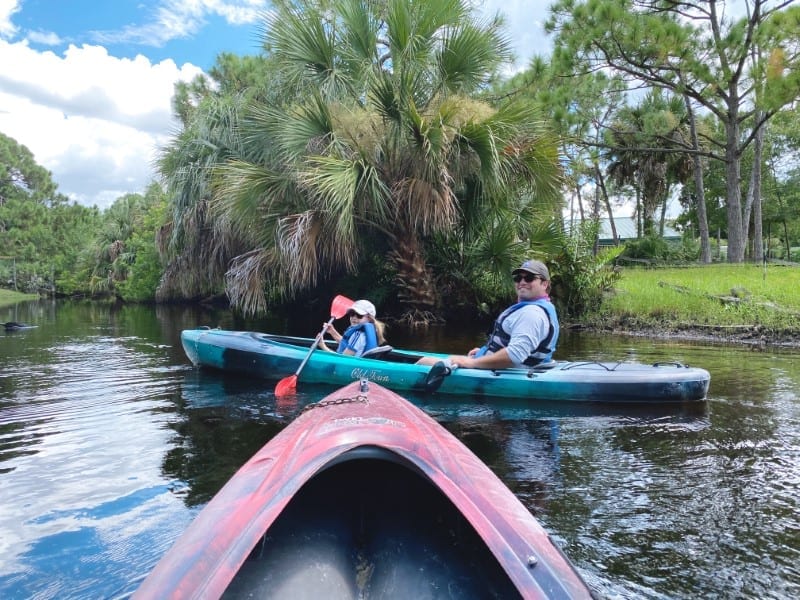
{"type": "Point", "coordinates": [86, 85]}
{"type": "Point", "coordinates": [193, 32]}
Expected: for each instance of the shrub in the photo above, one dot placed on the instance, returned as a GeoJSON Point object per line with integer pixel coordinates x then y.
{"type": "Point", "coordinates": [657, 249]}
{"type": "Point", "coordinates": [580, 278]}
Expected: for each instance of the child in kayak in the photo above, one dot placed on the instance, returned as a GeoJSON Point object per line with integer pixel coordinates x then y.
{"type": "Point", "coordinates": [364, 333]}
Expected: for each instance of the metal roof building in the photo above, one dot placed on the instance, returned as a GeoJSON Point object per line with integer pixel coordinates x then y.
{"type": "Point", "coordinates": [626, 230]}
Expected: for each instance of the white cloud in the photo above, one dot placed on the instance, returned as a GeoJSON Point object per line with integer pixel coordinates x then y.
{"type": "Point", "coordinates": [93, 120]}
{"type": "Point", "coordinates": [46, 38]}
{"type": "Point", "coordinates": [7, 8]}
{"type": "Point", "coordinates": [176, 19]}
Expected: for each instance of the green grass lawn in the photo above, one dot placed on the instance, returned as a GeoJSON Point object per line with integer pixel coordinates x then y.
{"type": "Point", "coordinates": [720, 295]}
{"type": "Point", "coordinates": [10, 297]}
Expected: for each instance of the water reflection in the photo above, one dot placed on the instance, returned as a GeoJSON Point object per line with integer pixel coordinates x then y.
{"type": "Point", "coordinates": [110, 442]}
{"type": "Point", "coordinates": [81, 437]}
{"type": "Point", "coordinates": [225, 422]}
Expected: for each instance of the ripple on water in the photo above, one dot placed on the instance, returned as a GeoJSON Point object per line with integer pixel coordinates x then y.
{"type": "Point", "coordinates": [81, 451]}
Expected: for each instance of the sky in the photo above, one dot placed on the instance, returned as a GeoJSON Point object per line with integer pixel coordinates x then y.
{"type": "Point", "coordinates": [86, 85]}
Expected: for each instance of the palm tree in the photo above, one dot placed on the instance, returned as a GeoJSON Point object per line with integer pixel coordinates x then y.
{"type": "Point", "coordinates": [386, 137]}
{"type": "Point", "coordinates": [110, 255]}
{"type": "Point", "coordinates": [196, 246]}
{"type": "Point", "coordinates": [647, 143]}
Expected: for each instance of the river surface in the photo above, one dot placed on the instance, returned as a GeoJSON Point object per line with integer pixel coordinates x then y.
{"type": "Point", "coordinates": [111, 443]}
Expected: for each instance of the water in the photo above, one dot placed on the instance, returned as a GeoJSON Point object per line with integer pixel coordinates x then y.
{"type": "Point", "coordinates": [110, 444]}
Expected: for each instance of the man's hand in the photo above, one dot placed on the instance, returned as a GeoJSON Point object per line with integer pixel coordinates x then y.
{"type": "Point", "coordinates": [496, 360]}
{"type": "Point", "coordinates": [462, 361]}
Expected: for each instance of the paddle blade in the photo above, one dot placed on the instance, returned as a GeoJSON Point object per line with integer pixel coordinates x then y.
{"type": "Point", "coordinates": [286, 386]}
{"type": "Point", "coordinates": [340, 305]}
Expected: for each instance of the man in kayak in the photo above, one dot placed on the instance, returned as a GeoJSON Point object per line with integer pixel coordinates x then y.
{"type": "Point", "coordinates": [525, 334]}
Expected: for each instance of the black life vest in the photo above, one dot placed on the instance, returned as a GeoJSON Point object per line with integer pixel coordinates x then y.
{"type": "Point", "coordinates": [498, 338]}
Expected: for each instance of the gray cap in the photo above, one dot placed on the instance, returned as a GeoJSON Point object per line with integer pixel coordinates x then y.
{"type": "Point", "coordinates": [534, 267]}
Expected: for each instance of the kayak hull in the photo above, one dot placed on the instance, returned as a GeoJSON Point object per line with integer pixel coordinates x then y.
{"type": "Point", "coordinates": [364, 496]}
{"type": "Point", "coordinates": [273, 357]}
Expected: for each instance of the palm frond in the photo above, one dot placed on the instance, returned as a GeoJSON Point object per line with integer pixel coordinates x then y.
{"type": "Point", "coordinates": [332, 183]}
{"type": "Point", "coordinates": [299, 35]}
{"type": "Point", "coordinates": [250, 195]}
{"type": "Point", "coordinates": [470, 55]}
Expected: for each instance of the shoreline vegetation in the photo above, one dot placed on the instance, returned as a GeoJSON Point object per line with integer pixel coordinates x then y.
{"type": "Point", "coordinates": [756, 305]}
{"type": "Point", "coordinates": [10, 298]}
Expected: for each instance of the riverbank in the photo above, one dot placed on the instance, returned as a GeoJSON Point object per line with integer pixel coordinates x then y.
{"type": "Point", "coordinates": [755, 305]}
{"type": "Point", "coordinates": [10, 297]}
{"type": "Point", "coordinates": [753, 336]}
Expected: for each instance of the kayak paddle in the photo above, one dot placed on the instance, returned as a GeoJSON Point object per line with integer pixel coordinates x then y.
{"type": "Point", "coordinates": [339, 308]}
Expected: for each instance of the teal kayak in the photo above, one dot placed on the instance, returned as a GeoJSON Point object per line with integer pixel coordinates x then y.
{"type": "Point", "coordinates": [274, 357]}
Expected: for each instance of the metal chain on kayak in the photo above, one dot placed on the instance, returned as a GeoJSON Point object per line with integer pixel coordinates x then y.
{"type": "Point", "coordinates": [360, 398]}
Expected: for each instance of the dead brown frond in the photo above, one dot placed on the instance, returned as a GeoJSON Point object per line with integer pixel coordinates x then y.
{"type": "Point", "coordinates": [424, 207]}
{"type": "Point", "coordinates": [247, 280]}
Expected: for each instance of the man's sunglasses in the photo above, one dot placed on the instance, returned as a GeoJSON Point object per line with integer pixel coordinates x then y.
{"type": "Point", "coordinates": [528, 277]}
{"type": "Point", "coordinates": [353, 313]}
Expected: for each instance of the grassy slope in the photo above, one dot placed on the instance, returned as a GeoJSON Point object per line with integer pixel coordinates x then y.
{"type": "Point", "coordinates": [8, 297]}
{"type": "Point", "coordinates": [734, 302]}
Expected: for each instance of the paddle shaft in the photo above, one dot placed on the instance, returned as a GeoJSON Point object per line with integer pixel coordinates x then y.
{"type": "Point", "coordinates": [339, 307]}
{"type": "Point", "coordinates": [314, 345]}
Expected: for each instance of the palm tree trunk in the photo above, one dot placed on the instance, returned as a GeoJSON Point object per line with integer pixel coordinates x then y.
{"type": "Point", "coordinates": [416, 289]}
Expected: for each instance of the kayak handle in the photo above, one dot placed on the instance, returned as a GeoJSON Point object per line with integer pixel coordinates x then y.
{"type": "Point", "coordinates": [677, 365]}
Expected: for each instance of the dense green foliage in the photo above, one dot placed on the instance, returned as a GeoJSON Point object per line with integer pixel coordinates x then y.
{"type": "Point", "coordinates": [654, 248]}
{"type": "Point", "coordinates": [123, 259]}
{"type": "Point", "coordinates": [144, 268]}
{"type": "Point", "coordinates": [41, 233]}
{"type": "Point", "coordinates": [51, 246]}
{"type": "Point", "coordinates": [580, 275]}
{"type": "Point", "coordinates": [374, 149]}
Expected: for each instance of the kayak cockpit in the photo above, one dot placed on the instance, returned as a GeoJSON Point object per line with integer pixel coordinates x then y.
{"type": "Point", "coordinates": [371, 525]}
{"type": "Point", "coordinates": [384, 352]}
